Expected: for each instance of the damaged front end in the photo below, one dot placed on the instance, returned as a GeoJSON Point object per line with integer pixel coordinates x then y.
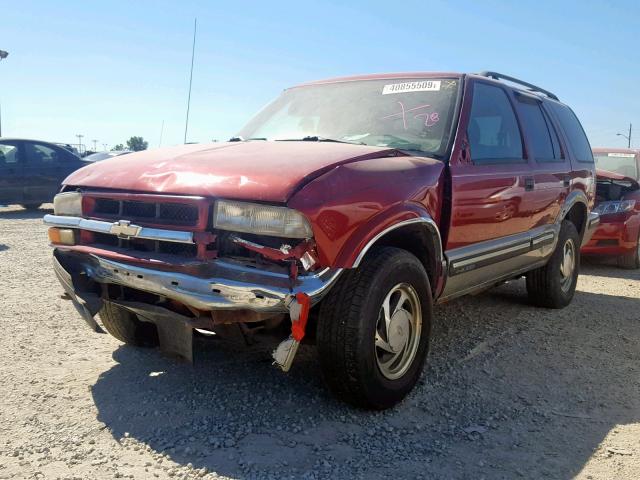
{"type": "Point", "coordinates": [173, 265]}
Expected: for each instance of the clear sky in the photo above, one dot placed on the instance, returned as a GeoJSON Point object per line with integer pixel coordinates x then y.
{"type": "Point", "coordinates": [110, 70]}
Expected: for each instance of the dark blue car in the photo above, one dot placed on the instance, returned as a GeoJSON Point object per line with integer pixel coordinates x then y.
{"type": "Point", "coordinates": [31, 171]}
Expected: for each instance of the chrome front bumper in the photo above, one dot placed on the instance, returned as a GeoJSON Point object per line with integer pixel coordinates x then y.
{"type": "Point", "coordinates": [219, 284]}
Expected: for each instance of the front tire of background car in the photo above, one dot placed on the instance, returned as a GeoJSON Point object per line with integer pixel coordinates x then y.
{"type": "Point", "coordinates": [31, 206]}
{"type": "Point", "coordinates": [361, 362]}
{"type": "Point", "coordinates": [126, 327]}
{"type": "Point", "coordinates": [554, 285]}
{"type": "Point", "coordinates": [631, 260]}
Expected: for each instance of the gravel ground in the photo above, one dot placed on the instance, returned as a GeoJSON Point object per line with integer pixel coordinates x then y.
{"type": "Point", "coordinates": [510, 392]}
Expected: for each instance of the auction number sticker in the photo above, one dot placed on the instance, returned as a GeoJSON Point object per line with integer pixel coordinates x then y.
{"type": "Point", "coordinates": [419, 86]}
{"type": "Point", "coordinates": [623, 155]}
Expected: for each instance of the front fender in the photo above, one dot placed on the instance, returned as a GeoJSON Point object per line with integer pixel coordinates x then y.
{"type": "Point", "coordinates": [396, 217]}
{"type": "Point", "coordinates": [351, 204]}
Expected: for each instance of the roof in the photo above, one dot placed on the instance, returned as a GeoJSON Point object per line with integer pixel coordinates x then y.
{"type": "Point", "coordinates": [382, 76]}
{"type": "Point", "coordinates": [14, 139]}
{"type": "Point", "coordinates": [512, 82]}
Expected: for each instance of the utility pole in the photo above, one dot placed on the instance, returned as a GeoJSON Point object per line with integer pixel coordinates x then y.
{"type": "Point", "coordinates": [95, 145]}
{"type": "Point", "coordinates": [193, 51]}
{"type": "Point", "coordinates": [80, 143]}
{"type": "Point", "coordinates": [104, 146]}
{"type": "Point", "coordinates": [3, 55]}
{"type": "Point", "coordinates": [161, 132]}
{"type": "Point", "coordinates": [628, 137]}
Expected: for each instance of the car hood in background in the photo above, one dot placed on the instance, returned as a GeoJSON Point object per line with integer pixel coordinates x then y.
{"type": "Point", "coordinates": [256, 170]}
{"type": "Point", "coordinates": [607, 175]}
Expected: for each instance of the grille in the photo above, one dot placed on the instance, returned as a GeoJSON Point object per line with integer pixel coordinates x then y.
{"type": "Point", "coordinates": [609, 242]}
{"type": "Point", "coordinates": [161, 213]}
{"type": "Point", "coordinates": [144, 245]}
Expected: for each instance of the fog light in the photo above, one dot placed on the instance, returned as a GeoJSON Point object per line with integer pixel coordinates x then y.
{"type": "Point", "coordinates": [62, 236]}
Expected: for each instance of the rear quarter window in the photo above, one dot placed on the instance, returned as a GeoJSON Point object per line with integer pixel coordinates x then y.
{"type": "Point", "coordinates": [576, 137]}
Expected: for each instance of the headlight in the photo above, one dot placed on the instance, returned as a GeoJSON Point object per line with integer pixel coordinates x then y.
{"type": "Point", "coordinates": [606, 208]}
{"type": "Point", "coordinates": [68, 204]}
{"type": "Point", "coordinates": [260, 219]}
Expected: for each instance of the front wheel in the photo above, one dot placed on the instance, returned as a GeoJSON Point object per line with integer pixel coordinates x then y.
{"type": "Point", "coordinates": [374, 328]}
{"type": "Point", "coordinates": [126, 327]}
{"type": "Point", "coordinates": [554, 285]}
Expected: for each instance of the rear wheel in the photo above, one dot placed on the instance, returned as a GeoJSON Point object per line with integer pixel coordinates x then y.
{"type": "Point", "coordinates": [31, 206]}
{"type": "Point", "coordinates": [631, 260]}
{"type": "Point", "coordinates": [126, 327]}
{"type": "Point", "coordinates": [554, 285]}
{"type": "Point", "coordinates": [374, 328]}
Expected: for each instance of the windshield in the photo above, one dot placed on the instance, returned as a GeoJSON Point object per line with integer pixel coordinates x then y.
{"type": "Point", "coordinates": [622, 163]}
{"type": "Point", "coordinates": [408, 114]}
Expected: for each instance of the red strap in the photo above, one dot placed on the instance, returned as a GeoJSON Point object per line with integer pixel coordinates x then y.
{"type": "Point", "coordinates": [298, 326]}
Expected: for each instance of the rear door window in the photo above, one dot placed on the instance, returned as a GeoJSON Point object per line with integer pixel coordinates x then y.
{"type": "Point", "coordinates": [575, 133]}
{"type": "Point", "coordinates": [539, 130]}
{"type": "Point", "coordinates": [493, 132]}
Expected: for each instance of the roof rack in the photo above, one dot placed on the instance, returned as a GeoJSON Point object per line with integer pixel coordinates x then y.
{"type": "Point", "coordinates": [500, 76]}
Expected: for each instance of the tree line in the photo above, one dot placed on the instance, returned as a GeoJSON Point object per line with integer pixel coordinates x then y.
{"type": "Point", "coordinates": [135, 144]}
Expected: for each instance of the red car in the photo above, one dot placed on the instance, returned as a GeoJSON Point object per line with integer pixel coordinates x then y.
{"type": "Point", "coordinates": [618, 203]}
{"type": "Point", "coordinates": [341, 213]}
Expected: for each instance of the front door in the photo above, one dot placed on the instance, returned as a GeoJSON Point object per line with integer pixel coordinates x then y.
{"type": "Point", "coordinates": [492, 182]}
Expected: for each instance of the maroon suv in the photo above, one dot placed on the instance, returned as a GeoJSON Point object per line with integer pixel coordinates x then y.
{"type": "Point", "coordinates": [346, 208]}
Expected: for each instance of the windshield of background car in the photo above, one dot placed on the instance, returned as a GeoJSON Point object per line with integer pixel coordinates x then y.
{"type": "Point", "coordinates": [622, 163]}
{"type": "Point", "coordinates": [408, 114]}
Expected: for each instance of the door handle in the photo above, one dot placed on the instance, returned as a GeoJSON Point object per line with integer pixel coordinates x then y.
{"type": "Point", "coordinates": [529, 183]}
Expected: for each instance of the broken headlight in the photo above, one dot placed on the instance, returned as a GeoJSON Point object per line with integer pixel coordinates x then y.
{"type": "Point", "coordinates": [619, 206]}
{"type": "Point", "coordinates": [68, 204]}
{"type": "Point", "coordinates": [260, 219]}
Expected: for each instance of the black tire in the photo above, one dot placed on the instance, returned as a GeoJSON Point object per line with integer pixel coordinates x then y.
{"type": "Point", "coordinates": [546, 285]}
{"type": "Point", "coordinates": [348, 326]}
{"type": "Point", "coordinates": [31, 206]}
{"type": "Point", "coordinates": [126, 327]}
{"type": "Point", "coordinates": [631, 260]}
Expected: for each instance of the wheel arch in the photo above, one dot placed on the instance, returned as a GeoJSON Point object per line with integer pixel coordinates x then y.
{"type": "Point", "coordinates": [576, 211]}
{"type": "Point", "coordinates": [420, 236]}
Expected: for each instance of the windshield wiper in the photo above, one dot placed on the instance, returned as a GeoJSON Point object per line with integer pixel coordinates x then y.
{"type": "Point", "coordinates": [241, 139]}
{"type": "Point", "coordinates": [315, 138]}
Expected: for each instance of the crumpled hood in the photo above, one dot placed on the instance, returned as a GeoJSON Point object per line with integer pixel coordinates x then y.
{"type": "Point", "coordinates": [256, 170]}
{"type": "Point", "coordinates": [607, 175]}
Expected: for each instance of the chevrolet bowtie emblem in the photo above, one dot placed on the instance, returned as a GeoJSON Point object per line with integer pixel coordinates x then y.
{"type": "Point", "coordinates": [124, 229]}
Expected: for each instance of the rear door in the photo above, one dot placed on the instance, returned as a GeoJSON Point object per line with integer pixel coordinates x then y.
{"type": "Point", "coordinates": [12, 175]}
{"type": "Point", "coordinates": [552, 169]}
{"type": "Point", "coordinates": [46, 167]}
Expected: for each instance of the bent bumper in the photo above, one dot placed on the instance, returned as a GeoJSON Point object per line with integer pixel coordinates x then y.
{"type": "Point", "coordinates": [218, 285]}
{"type": "Point", "coordinates": [593, 220]}
{"type": "Point", "coordinates": [614, 237]}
